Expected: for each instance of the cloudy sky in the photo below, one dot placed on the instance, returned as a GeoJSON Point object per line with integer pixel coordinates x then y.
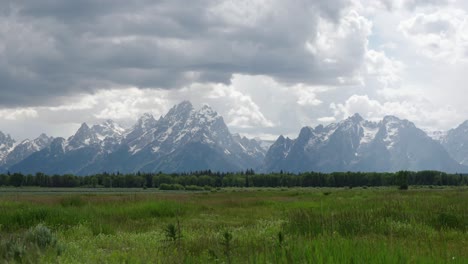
{"type": "Point", "coordinates": [268, 66]}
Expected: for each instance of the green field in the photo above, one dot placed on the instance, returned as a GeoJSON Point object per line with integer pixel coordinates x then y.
{"type": "Point", "coordinates": [244, 225]}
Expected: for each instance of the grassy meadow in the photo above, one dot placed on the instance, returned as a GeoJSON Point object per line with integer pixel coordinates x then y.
{"type": "Point", "coordinates": [239, 225]}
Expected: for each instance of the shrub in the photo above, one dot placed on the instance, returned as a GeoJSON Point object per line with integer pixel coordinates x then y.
{"type": "Point", "coordinates": [173, 232]}
{"type": "Point", "coordinates": [25, 248]}
{"type": "Point", "coordinates": [170, 232]}
{"type": "Point", "coordinates": [41, 236]}
{"type": "Point", "coordinates": [445, 220]}
{"type": "Point", "coordinates": [12, 249]}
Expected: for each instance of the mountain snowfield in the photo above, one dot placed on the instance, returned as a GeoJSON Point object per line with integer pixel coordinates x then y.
{"type": "Point", "coordinates": [189, 139]}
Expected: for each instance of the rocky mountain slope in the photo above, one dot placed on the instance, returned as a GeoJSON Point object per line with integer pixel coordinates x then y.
{"type": "Point", "coordinates": [356, 144]}
{"type": "Point", "coordinates": [189, 139]}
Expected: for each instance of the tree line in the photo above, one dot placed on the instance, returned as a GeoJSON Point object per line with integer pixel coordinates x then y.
{"type": "Point", "coordinates": [241, 179]}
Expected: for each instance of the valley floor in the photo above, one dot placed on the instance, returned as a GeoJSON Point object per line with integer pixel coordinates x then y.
{"type": "Point", "coordinates": [242, 225]}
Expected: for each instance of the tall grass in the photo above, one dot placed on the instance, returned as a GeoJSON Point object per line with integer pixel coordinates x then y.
{"type": "Point", "coordinates": [303, 225]}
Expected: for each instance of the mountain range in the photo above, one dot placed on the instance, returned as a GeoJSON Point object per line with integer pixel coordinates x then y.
{"type": "Point", "coordinates": [189, 139]}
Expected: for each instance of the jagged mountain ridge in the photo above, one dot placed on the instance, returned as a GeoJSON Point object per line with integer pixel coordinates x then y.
{"type": "Point", "coordinates": [356, 144]}
{"type": "Point", "coordinates": [188, 139]}
{"type": "Point", "coordinates": [26, 148]}
{"type": "Point", "coordinates": [16, 152]}
{"type": "Point", "coordinates": [184, 139]}
{"type": "Point", "coordinates": [71, 155]}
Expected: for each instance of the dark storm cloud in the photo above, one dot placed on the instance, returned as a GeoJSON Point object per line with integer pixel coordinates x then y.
{"type": "Point", "coordinates": [53, 48]}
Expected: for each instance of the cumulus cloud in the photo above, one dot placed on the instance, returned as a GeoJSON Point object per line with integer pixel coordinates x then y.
{"type": "Point", "coordinates": [385, 70]}
{"type": "Point", "coordinates": [268, 66]}
{"type": "Point", "coordinates": [423, 113]}
{"type": "Point", "coordinates": [251, 105]}
{"type": "Point", "coordinates": [442, 34]}
{"type": "Point", "coordinates": [56, 48]}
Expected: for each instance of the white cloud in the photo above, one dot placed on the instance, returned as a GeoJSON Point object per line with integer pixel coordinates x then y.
{"type": "Point", "coordinates": [423, 113]}
{"type": "Point", "coordinates": [385, 70]}
{"type": "Point", "coordinates": [267, 72]}
{"type": "Point", "coordinates": [442, 34]}
{"type": "Point", "coordinates": [326, 119]}
{"type": "Point", "coordinates": [308, 95]}
{"type": "Point", "coordinates": [238, 109]}
{"type": "Point", "coordinates": [18, 113]}
{"type": "Point", "coordinates": [342, 44]}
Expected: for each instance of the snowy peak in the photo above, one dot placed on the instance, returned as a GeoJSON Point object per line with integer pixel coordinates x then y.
{"type": "Point", "coordinates": [103, 136]}
{"type": "Point", "coordinates": [181, 125]}
{"type": "Point", "coordinates": [356, 118]}
{"type": "Point", "coordinates": [283, 144]}
{"type": "Point", "coordinates": [185, 124]}
{"type": "Point", "coordinates": [253, 147]}
{"type": "Point", "coordinates": [358, 130]}
{"type": "Point", "coordinates": [180, 111]}
{"type": "Point", "coordinates": [184, 132]}
{"type": "Point", "coordinates": [82, 138]}
{"type": "Point", "coordinates": [145, 122]}
{"type": "Point", "coordinates": [6, 141]}
{"type": "Point", "coordinates": [6, 145]}
{"type": "Point", "coordinates": [41, 142]}
{"type": "Point", "coordinates": [108, 129]}
{"type": "Point", "coordinates": [26, 148]}
{"type": "Point", "coordinates": [44, 138]}
{"type": "Point", "coordinates": [278, 154]}
{"type": "Point", "coordinates": [393, 128]}
{"type": "Point", "coordinates": [205, 115]}
{"type": "Point", "coordinates": [145, 125]}
{"type": "Point", "coordinates": [83, 132]}
{"type": "Point", "coordinates": [395, 122]}
{"type": "Point", "coordinates": [356, 144]}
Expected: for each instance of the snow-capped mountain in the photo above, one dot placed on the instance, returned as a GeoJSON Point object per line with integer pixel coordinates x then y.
{"type": "Point", "coordinates": [26, 148]}
{"type": "Point", "coordinates": [7, 144]}
{"type": "Point", "coordinates": [455, 142]}
{"type": "Point", "coordinates": [356, 144]}
{"type": "Point", "coordinates": [275, 159]}
{"type": "Point", "coordinates": [185, 139]}
{"type": "Point", "coordinates": [254, 147]}
{"type": "Point", "coordinates": [107, 136]}
{"type": "Point", "coordinates": [75, 153]}
{"type": "Point", "coordinates": [189, 139]}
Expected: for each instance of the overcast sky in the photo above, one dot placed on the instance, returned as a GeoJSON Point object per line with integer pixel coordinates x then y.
{"type": "Point", "coordinates": [269, 67]}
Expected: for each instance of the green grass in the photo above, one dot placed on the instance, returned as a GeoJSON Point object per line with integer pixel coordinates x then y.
{"type": "Point", "coordinates": [244, 225]}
